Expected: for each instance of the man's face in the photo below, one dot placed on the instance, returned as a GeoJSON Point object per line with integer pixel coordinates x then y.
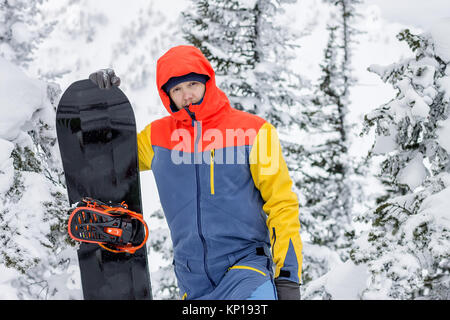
{"type": "Point", "coordinates": [185, 93]}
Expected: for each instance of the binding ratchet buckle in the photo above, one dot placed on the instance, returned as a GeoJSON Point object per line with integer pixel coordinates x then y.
{"type": "Point", "coordinates": [112, 226]}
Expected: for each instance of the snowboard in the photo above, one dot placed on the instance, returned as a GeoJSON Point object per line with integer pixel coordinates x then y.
{"type": "Point", "coordinates": [97, 139]}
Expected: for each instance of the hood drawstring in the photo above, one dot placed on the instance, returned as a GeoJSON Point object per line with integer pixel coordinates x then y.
{"type": "Point", "coordinates": [191, 114]}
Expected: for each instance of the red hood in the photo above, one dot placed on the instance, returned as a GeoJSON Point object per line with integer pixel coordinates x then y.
{"type": "Point", "coordinates": [182, 60]}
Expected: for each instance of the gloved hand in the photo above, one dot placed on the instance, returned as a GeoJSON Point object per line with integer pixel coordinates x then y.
{"type": "Point", "coordinates": [105, 78]}
{"type": "Point", "coordinates": [287, 290]}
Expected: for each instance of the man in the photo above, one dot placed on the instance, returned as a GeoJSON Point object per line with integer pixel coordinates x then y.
{"type": "Point", "coordinates": [223, 185]}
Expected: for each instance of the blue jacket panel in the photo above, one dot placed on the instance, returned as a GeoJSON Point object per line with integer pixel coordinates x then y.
{"type": "Point", "coordinates": [209, 230]}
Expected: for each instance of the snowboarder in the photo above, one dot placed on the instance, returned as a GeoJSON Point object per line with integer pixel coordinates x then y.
{"type": "Point", "coordinates": [223, 184]}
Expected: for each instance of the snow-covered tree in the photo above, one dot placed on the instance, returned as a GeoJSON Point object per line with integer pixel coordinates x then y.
{"type": "Point", "coordinates": [22, 28]}
{"type": "Point", "coordinates": [135, 53]}
{"type": "Point", "coordinates": [77, 26]}
{"type": "Point", "coordinates": [328, 169]}
{"type": "Point", "coordinates": [330, 194]}
{"type": "Point", "coordinates": [407, 245]}
{"type": "Point", "coordinates": [33, 207]}
{"type": "Point", "coordinates": [250, 48]}
{"type": "Point", "coordinates": [164, 283]}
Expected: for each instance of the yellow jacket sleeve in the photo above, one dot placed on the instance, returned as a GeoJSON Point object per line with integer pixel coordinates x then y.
{"type": "Point", "coordinates": [145, 150]}
{"type": "Point", "coordinates": [271, 177]}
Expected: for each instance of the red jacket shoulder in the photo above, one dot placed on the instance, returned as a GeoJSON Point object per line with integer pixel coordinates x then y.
{"type": "Point", "coordinates": [162, 130]}
{"type": "Point", "coordinates": [245, 120]}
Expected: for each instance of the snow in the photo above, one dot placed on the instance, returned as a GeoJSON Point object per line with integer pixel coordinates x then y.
{"type": "Point", "coordinates": [415, 13]}
{"type": "Point", "coordinates": [347, 281]}
{"type": "Point", "coordinates": [413, 173]}
{"type": "Point", "coordinates": [19, 98]}
{"type": "Point", "coordinates": [6, 165]}
{"type": "Point", "coordinates": [250, 4]}
{"type": "Point", "coordinates": [412, 98]}
{"type": "Point", "coordinates": [436, 206]}
{"type": "Point", "coordinates": [386, 143]}
{"type": "Point", "coordinates": [439, 32]}
{"type": "Point", "coordinates": [6, 51]}
{"type": "Point", "coordinates": [20, 32]}
{"type": "Point", "coordinates": [443, 134]}
{"type": "Point", "coordinates": [7, 292]}
{"type": "Point", "coordinates": [444, 84]}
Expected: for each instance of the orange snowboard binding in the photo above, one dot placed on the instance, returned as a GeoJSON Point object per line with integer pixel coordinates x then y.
{"type": "Point", "coordinates": [112, 226]}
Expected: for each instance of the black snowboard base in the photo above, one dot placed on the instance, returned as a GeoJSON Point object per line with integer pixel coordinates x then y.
{"type": "Point", "coordinates": [97, 139]}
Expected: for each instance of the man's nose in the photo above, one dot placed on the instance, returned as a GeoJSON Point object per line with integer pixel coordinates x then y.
{"type": "Point", "coordinates": [187, 94]}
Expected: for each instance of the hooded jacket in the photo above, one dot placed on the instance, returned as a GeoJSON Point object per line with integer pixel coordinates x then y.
{"type": "Point", "coordinates": [222, 181]}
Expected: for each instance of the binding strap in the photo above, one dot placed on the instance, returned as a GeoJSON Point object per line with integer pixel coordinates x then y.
{"type": "Point", "coordinates": [112, 226]}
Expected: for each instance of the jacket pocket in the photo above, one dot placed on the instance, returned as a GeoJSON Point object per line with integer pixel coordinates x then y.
{"type": "Point", "coordinates": [211, 171]}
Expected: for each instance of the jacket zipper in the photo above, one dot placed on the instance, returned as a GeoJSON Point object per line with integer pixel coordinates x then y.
{"type": "Point", "coordinates": [197, 175]}
{"type": "Point", "coordinates": [212, 171]}
{"type": "Point", "coordinates": [274, 238]}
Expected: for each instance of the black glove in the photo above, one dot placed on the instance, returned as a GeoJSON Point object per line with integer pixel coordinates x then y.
{"type": "Point", "coordinates": [287, 290]}
{"type": "Point", "coordinates": [105, 78]}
